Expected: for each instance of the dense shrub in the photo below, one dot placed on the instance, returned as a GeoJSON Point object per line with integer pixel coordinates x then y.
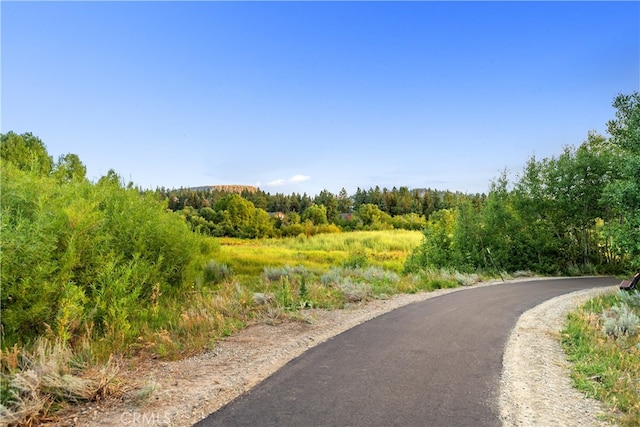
{"type": "Point", "coordinates": [79, 256]}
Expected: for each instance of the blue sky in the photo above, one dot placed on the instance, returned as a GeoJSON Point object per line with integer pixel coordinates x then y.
{"type": "Point", "coordinates": [305, 96]}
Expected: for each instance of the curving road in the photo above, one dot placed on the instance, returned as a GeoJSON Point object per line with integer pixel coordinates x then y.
{"type": "Point", "coordinates": [433, 363]}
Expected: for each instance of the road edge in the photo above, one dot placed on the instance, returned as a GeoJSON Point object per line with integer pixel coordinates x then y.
{"type": "Point", "coordinates": [535, 385]}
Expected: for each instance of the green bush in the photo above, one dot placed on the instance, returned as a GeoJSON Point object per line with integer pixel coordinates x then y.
{"type": "Point", "coordinates": [80, 257]}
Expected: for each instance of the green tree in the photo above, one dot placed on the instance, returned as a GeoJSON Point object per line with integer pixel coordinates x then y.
{"type": "Point", "coordinates": [404, 201]}
{"type": "Point", "coordinates": [238, 217]}
{"type": "Point", "coordinates": [69, 168]}
{"type": "Point", "coordinates": [345, 204]}
{"type": "Point", "coordinates": [434, 251]}
{"type": "Point", "coordinates": [329, 201]}
{"type": "Point", "coordinates": [317, 214]}
{"type": "Point", "coordinates": [429, 202]}
{"type": "Point", "coordinates": [26, 152]}
{"type": "Point", "coordinates": [373, 218]}
{"type": "Point", "coordinates": [360, 198]}
{"type": "Point", "coordinates": [411, 221]}
{"type": "Point", "coordinates": [623, 193]}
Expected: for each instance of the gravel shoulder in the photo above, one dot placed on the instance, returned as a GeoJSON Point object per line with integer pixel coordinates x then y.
{"type": "Point", "coordinates": [535, 387]}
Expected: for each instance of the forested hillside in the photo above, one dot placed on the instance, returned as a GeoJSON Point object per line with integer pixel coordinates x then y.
{"type": "Point", "coordinates": [207, 209]}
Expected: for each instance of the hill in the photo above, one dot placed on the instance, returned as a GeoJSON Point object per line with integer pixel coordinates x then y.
{"type": "Point", "coordinates": [227, 188]}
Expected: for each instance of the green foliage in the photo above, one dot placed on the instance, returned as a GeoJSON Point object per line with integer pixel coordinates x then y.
{"type": "Point", "coordinates": [317, 214]}
{"type": "Point", "coordinates": [295, 215]}
{"type": "Point", "coordinates": [622, 194]}
{"type": "Point", "coordinates": [26, 152]}
{"type": "Point", "coordinates": [330, 204]}
{"type": "Point", "coordinates": [430, 279]}
{"type": "Point", "coordinates": [231, 215]}
{"type": "Point", "coordinates": [292, 290]}
{"type": "Point", "coordinates": [434, 251]}
{"type": "Point", "coordinates": [360, 283]}
{"type": "Point", "coordinates": [83, 258]}
{"type": "Point", "coordinates": [373, 218]}
{"type": "Point", "coordinates": [411, 221]}
{"type": "Point", "coordinates": [577, 213]}
{"type": "Point", "coordinates": [357, 259]}
{"type": "Point", "coordinates": [601, 340]}
{"type": "Point", "coordinates": [69, 168]}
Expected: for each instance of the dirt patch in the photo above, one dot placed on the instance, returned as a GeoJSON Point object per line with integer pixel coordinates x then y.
{"type": "Point", "coordinates": [183, 392]}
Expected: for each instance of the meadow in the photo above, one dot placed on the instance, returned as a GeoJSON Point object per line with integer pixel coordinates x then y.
{"type": "Point", "coordinates": [387, 249]}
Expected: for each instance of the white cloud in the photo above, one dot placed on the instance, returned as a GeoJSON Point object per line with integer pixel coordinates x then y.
{"type": "Point", "coordinates": [276, 183]}
{"type": "Point", "coordinates": [299, 178]}
{"type": "Point", "coordinates": [295, 179]}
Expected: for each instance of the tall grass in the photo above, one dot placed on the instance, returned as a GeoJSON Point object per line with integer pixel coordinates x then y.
{"type": "Point", "coordinates": [49, 376]}
{"type": "Point", "coordinates": [602, 339]}
{"type": "Point", "coordinates": [387, 249]}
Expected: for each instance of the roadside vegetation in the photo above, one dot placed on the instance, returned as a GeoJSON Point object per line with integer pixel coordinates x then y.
{"type": "Point", "coordinates": [97, 274]}
{"type": "Point", "coordinates": [602, 340]}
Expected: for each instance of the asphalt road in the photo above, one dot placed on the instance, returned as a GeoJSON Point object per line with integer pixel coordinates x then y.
{"type": "Point", "coordinates": [433, 363]}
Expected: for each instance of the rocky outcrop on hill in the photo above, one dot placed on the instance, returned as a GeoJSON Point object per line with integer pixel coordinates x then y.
{"type": "Point", "coordinates": [228, 188]}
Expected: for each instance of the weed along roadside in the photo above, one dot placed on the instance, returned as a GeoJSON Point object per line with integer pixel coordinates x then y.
{"type": "Point", "coordinates": [602, 340]}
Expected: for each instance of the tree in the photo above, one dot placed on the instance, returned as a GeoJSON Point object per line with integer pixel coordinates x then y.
{"type": "Point", "coordinates": [328, 200]}
{"type": "Point", "coordinates": [373, 218]}
{"type": "Point", "coordinates": [434, 251]}
{"type": "Point", "coordinates": [360, 198]}
{"type": "Point", "coordinates": [111, 178]}
{"type": "Point", "coordinates": [429, 202]}
{"type": "Point", "coordinates": [375, 197]}
{"type": "Point", "coordinates": [404, 201]}
{"type": "Point", "coordinates": [345, 203]}
{"type": "Point", "coordinates": [69, 168]}
{"type": "Point", "coordinates": [237, 217]}
{"type": "Point", "coordinates": [317, 214]}
{"type": "Point", "coordinates": [623, 193]}
{"type": "Point", "coordinates": [26, 152]}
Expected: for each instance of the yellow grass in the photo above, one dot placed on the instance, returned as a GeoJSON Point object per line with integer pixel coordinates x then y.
{"type": "Point", "coordinates": [388, 249]}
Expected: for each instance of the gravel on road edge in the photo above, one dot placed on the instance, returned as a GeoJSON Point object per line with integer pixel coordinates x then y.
{"type": "Point", "coordinates": [535, 388]}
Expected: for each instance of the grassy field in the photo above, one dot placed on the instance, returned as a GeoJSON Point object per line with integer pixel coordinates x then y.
{"type": "Point", "coordinates": [385, 249]}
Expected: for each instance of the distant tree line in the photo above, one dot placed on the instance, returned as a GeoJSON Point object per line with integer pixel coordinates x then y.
{"type": "Point", "coordinates": [255, 213]}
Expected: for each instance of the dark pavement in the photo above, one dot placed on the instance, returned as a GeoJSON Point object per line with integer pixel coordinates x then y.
{"type": "Point", "coordinates": [433, 363]}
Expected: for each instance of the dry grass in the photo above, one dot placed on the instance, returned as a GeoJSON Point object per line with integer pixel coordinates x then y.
{"type": "Point", "coordinates": [40, 381]}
